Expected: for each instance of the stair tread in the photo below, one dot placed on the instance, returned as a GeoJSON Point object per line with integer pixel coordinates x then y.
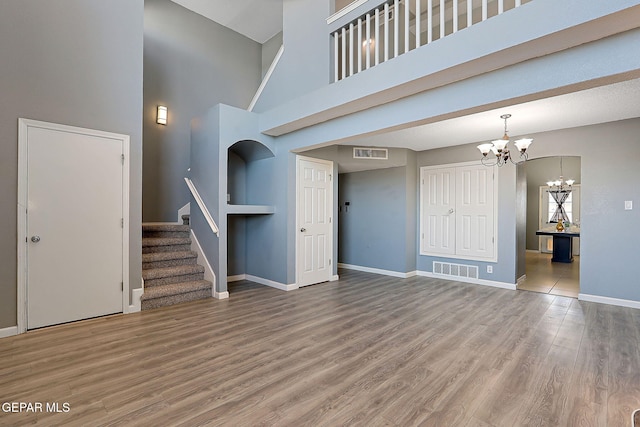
{"type": "Point", "coordinates": [180, 270]}
{"type": "Point", "coordinates": [164, 227]}
{"type": "Point", "coordinates": [165, 241]}
{"type": "Point", "coordinates": [175, 289]}
{"type": "Point", "coordinates": [165, 256]}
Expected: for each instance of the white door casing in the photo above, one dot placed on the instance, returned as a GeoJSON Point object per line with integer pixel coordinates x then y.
{"type": "Point", "coordinates": [314, 225]}
{"type": "Point", "coordinates": [73, 224]}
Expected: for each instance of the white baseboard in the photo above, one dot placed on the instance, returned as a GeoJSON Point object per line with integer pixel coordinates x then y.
{"type": "Point", "coordinates": [208, 271]}
{"type": "Point", "coordinates": [378, 271]}
{"type": "Point", "coordinates": [520, 280]}
{"type": "Point", "coordinates": [501, 285]}
{"type": "Point", "coordinates": [334, 278]}
{"type": "Point", "coordinates": [236, 278]}
{"type": "Point", "coordinates": [609, 301]}
{"type": "Point", "coordinates": [136, 295]}
{"type": "Point", "coordinates": [271, 283]}
{"type": "Point", "coordinates": [8, 332]}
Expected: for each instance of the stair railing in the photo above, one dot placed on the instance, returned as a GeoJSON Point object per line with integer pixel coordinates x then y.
{"type": "Point", "coordinates": [399, 26]}
{"type": "Point", "coordinates": [203, 207]}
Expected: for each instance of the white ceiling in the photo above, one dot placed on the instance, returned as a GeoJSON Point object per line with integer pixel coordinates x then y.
{"type": "Point", "coordinates": [602, 104]}
{"type": "Point", "coordinates": [259, 20]}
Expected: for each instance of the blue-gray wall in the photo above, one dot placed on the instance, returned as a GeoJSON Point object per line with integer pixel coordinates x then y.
{"type": "Point", "coordinates": [190, 64]}
{"type": "Point", "coordinates": [373, 227]}
{"type": "Point", "coordinates": [75, 62]}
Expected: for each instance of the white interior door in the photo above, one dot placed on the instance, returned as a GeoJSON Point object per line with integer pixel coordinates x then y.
{"type": "Point", "coordinates": [74, 225]}
{"type": "Point", "coordinates": [314, 246]}
{"type": "Point", "coordinates": [439, 216]}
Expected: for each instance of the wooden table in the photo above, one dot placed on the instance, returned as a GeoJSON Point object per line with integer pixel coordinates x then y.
{"type": "Point", "coordinates": [562, 244]}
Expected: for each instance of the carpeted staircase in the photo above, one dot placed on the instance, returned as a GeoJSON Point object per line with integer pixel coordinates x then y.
{"type": "Point", "coordinates": [169, 267]}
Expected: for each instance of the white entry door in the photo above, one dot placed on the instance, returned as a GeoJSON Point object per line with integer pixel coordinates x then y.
{"type": "Point", "coordinates": [74, 223]}
{"type": "Point", "coordinates": [314, 245]}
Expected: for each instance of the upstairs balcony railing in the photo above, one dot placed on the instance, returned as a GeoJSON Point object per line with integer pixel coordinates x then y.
{"type": "Point", "coordinates": [398, 26]}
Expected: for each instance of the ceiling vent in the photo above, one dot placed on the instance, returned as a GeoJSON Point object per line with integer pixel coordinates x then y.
{"type": "Point", "coordinates": [370, 153]}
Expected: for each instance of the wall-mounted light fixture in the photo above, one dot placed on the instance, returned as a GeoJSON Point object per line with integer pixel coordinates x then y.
{"type": "Point", "coordinates": [161, 116]}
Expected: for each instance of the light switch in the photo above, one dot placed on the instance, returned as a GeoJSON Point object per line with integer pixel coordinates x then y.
{"type": "Point", "coordinates": [628, 205]}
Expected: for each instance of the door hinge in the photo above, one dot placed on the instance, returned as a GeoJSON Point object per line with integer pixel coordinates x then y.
{"type": "Point", "coordinates": [121, 222]}
{"type": "Point", "coordinates": [122, 158]}
{"type": "Point", "coordinates": [329, 261]}
{"type": "Point", "coordinates": [330, 177]}
{"type": "Point", "coordinates": [122, 286]}
{"type": "Point", "coordinates": [329, 220]}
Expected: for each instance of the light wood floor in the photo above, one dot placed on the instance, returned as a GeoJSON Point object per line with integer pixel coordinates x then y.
{"type": "Point", "coordinates": [366, 350]}
{"type": "Point", "coordinates": [553, 278]}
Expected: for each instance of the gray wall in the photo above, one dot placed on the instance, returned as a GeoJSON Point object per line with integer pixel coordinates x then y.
{"type": "Point", "coordinates": [190, 65]}
{"type": "Point", "coordinates": [539, 172]}
{"type": "Point", "coordinates": [75, 62]}
{"type": "Point", "coordinates": [372, 229]}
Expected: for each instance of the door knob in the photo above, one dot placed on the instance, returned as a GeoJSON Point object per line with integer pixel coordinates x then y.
{"type": "Point", "coordinates": [302, 230]}
{"type": "Point", "coordinates": [35, 239]}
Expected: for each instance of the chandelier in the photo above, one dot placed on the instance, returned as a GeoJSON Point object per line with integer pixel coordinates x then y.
{"type": "Point", "coordinates": [500, 148]}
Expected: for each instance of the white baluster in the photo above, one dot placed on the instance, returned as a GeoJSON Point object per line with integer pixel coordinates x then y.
{"type": "Point", "coordinates": [336, 71]}
{"type": "Point", "coordinates": [469, 13]}
{"type": "Point", "coordinates": [376, 40]}
{"type": "Point", "coordinates": [442, 23]}
{"type": "Point", "coordinates": [455, 16]}
{"type": "Point", "coordinates": [484, 10]}
{"type": "Point", "coordinates": [396, 28]}
{"type": "Point", "coordinates": [500, 6]}
{"type": "Point", "coordinates": [344, 52]}
{"type": "Point", "coordinates": [351, 49]}
{"type": "Point", "coordinates": [386, 31]}
{"type": "Point", "coordinates": [518, 3]}
{"type": "Point", "coordinates": [359, 44]}
{"type": "Point", "coordinates": [406, 25]}
{"type": "Point", "coordinates": [368, 42]}
{"type": "Point", "coordinates": [418, 18]}
{"type": "Point", "coordinates": [429, 21]}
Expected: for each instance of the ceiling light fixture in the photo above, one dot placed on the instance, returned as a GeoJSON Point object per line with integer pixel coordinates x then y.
{"type": "Point", "coordinates": [500, 148]}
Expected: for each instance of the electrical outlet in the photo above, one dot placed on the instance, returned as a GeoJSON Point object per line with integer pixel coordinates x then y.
{"type": "Point", "coordinates": [489, 268]}
{"type": "Point", "coordinates": [628, 205]}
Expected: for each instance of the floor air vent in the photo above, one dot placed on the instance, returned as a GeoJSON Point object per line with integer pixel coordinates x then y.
{"type": "Point", "coordinates": [455, 270]}
{"type": "Point", "coordinates": [370, 153]}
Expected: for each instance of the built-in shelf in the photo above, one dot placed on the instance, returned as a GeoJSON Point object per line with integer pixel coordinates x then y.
{"type": "Point", "coordinates": [250, 210]}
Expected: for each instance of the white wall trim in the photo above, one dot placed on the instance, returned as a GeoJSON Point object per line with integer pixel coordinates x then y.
{"type": "Point", "coordinates": [236, 278]}
{"type": "Point", "coordinates": [208, 271]}
{"type": "Point", "coordinates": [271, 283]}
{"type": "Point", "coordinates": [23, 128]}
{"type": "Point", "coordinates": [334, 278]}
{"type": "Point", "coordinates": [266, 78]}
{"type": "Point", "coordinates": [501, 285]}
{"type": "Point", "coordinates": [610, 301]}
{"type": "Point", "coordinates": [185, 210]}
{"type": "Point", "coordinates": [136, 299]}
{"type": "Point", "coordinates": [342, 12]}
{"type": "Point", "coordinates": [378, 271]}
{"type": "Point", "coordinates": [8, 332]}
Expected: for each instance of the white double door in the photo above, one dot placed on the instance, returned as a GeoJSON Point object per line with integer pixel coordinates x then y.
{"type": "Point", "coordinates": [73, 191]}
{"type": "Point", "coordinates": [314, 243]}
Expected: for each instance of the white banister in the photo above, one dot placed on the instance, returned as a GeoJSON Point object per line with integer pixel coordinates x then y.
{"type": "Point", "coordinates": [203, 207]}
{"type": "Point", "coordinates": [266, 78]}
{"type": "Point", "coordinates": [358, 34]}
